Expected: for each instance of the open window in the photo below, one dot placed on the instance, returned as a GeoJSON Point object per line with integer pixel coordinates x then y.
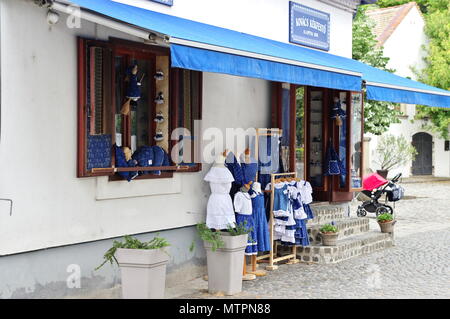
{"type": "Point", "coordinates": [130, 101]}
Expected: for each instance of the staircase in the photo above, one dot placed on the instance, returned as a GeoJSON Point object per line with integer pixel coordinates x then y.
{"type": "Point", "coordinates": [355, 238]}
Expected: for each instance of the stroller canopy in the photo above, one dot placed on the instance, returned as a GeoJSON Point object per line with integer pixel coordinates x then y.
{"type": "Point", "coordinates": [373, 181]}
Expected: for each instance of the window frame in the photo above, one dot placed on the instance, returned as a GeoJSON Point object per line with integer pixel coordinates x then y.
{"type": "Point", "coordinates": [126, 47]}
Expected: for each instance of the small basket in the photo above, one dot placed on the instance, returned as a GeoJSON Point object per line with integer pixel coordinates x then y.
{"type": "Point", "coordinates": [362, 197]}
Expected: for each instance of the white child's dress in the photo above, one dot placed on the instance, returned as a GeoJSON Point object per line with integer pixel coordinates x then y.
{"type": "Point", "coordinates": [219, 211]}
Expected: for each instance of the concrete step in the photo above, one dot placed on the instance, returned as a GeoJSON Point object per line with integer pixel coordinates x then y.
{"type": "Point", "coordinates": [346, 248]}
{"type": "Point", "coordinates": [325, 212]}
{"type": "Point", "coordinates": [347, 227]}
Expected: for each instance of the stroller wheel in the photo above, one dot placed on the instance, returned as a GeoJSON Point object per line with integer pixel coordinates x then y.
{"type": "Point", "coordinates": [383, 210]}
{"type": "Point", "coordinates": [361, 212]}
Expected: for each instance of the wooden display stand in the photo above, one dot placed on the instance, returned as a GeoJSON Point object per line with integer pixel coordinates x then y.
{"type": "Point", "coordinates": [270, 257]}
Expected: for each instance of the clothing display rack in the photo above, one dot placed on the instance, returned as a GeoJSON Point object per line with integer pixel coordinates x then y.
{"type": "Point", "coordinates": [269, 258]}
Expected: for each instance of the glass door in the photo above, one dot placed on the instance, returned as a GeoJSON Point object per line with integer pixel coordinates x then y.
{"type": "Point", "coordinates": [356, 145]}
{"type": "Point", "coordinates": [316, 136]}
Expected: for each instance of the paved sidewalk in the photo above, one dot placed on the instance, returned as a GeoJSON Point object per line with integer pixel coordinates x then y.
{"type": "Point", "coordinates": [417, 267]}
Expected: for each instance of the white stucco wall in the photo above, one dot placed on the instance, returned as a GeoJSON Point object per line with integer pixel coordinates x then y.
{"type": "Point", "coordinates": [407, 128]}
{"type": "Point", "coordinates": [38, 147]}
{"type": "Point", "coordinates": [264, 18]}
{"type": "Point", "coordinates": [404, 46]}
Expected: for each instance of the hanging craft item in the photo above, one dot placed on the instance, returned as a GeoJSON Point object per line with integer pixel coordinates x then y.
{"type": "Point", "coordinates": [160, 98]}
{"type": "Point", "coordinates": [337, 112]}
{"type": "Point", "coordinates": [133, 92]}
{"type": "Point", "coordinates": [161, 114]}
{"type": "Point", "coordinates": [159, 118]}
{"type": "Point", "coordinates": [159, 75]}
{"type": "Point", "coordinates": [159, 136]}
{"type": "Point", "coordinates": [333, 165]}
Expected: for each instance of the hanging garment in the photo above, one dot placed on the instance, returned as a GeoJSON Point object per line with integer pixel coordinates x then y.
{"type": "Point", "coordinates": [235, 169]}
{"type": "Point", "coordinates": [249, 171]}
{"type": "Point", "coordinates": [336, 110]}
{"type": "Point", "coordinates": [268, 158]}
{"type": "Point", "coordinates": [308, 211]}
{"type": "Point", "coordinates": [296, 200]}
{"type": "Point", "coordinates": [297, 234]}
{"type": "Point", "coordinates": [305, 191]}
{"type": "Point", "coordinates": [133, 90]}
{"type": "Point", "coordinates": [333, 165]}
{"type": "Point", "coordinates": [261, 226]}
{"type": "Point", "coordinates": [283, 213]}
{"type": "Point", "coordinates": [280, 200]}
{"type": "Point", "coordinates": [219, 210]}
{"type": "Point", "coordinates": [244, 210]}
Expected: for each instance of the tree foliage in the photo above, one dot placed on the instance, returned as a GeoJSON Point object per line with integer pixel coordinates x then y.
{"type": "Point", "coordinates": [378, 115]}
{"type": "Point", "coordinates": [394, 151]}
{"type": "Point", "coordinates": [437, 60]}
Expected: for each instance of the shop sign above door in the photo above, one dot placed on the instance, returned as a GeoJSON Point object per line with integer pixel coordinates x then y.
{"type": "Point", "coordinates": [166, 2]}
{"type": "Point", "coordinates": [309, 27]}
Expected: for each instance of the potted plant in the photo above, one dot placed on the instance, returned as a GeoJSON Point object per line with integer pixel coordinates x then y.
{"type": "Point", "coordinates": [142, 266]}
{"type": "Point", "coordinates": [329, 234]}
{"type": "Point", "coordinates": [392, 152]}
{"type": "Point", "coordinates": [224, 256]}
{"type": "Point", "coordinates": [386, 222]}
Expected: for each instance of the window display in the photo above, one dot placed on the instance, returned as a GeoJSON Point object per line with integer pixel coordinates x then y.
{"type": "Point", "coordinates": [316, 139]}
{"type": "Point", "coordinates": [356, 141]}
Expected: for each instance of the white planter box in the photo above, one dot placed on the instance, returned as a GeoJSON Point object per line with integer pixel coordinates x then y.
{"type": "Point", "coordinates": [225, 265]}
{"type": "Point", "coordinates": [143, 272]}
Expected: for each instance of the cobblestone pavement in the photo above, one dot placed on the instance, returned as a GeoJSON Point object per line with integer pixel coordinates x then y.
{"type": "Point", "coordinates": [417, 267]}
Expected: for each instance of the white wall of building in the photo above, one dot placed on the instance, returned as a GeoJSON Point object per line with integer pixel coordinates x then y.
{"type": "Point", "coordinates": [264, 18]}
{"type": "Point", "coordinates": [52, 206]}
{"type": "Point", "coordinates": [404, 46]}
{"type": "Point", "coordinates": [408, 127]}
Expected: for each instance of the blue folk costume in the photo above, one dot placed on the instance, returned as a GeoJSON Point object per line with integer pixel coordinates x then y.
{"type": "Point", "coordinates": [269, 158]}
{"type": "Point", "coordinates": [249, 171]}
{"type": "Point", "coordinates": [147, 156]}
{"type": "Point", "coordinates": [133, 91]}
{"type": "Point", "coordinates": [243, 209]}
{"type": "Point", "coordinates": [235, 169]}
{"type": "Point", "coordinates": [122, 162]}
{"type": "Point", "coordinates": [291, 213]}
{"type": "Point", "coordinates": [260, 221]}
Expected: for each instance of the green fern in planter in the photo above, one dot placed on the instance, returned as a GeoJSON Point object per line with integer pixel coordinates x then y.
{"type": "Point", "coordinates": [210, 236]}
{"type": "Point", "coordinates": [384, 218]}
{"type": "Point", "coordinates": [215, 237]}
{"type": "Point", "coordinates": [132, 243]}
{"type": "Point", "coordinates": [241, 229]}
{"type": "Point", "coordinates": [328, 228]}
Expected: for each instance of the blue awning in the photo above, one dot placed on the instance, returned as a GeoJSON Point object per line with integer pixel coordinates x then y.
{"type": "Point", "coordinates": [251, 56]}
{"type": "Point", "coordinates": [386, 86]}
{"type": "Point", "coordinates": [208, 48]}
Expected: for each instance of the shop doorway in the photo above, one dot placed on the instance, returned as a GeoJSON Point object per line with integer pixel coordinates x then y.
{"type": "Point", "coordinates": [423, 163]}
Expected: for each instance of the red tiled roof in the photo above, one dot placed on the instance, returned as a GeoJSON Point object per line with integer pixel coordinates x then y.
{"type": "Point", "coordinates": [388, 19]}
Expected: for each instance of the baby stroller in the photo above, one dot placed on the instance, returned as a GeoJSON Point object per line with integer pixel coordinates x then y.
{"type": "Point", "coordinates": [374, 187]}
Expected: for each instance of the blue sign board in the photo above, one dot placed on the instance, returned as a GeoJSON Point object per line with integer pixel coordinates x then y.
{"type": "Point", "coordinates": [166, 2]}
{"type": "Point", "coordinates": [309, 27]}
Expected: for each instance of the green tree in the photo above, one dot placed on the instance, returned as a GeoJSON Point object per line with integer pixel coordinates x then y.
{"type": "Point", "coordinates": [437, 60]}
{"type": "Point", "coordinates": [378, 115]}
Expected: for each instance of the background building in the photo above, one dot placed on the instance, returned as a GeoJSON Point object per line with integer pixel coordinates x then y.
{"type": "Point", "coordinates": [400, 30]}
